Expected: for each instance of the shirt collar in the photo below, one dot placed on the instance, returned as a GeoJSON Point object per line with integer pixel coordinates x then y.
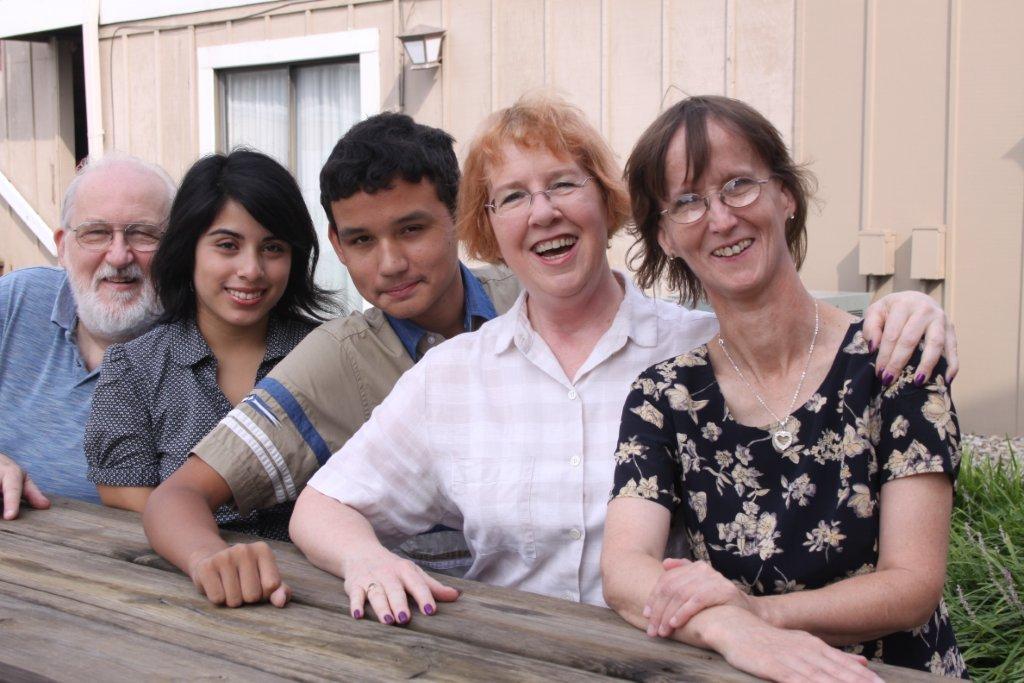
{"type": "Point", "coordinates": [477, 305]}
{"type": "Point", "coordinates": [637, 318]}
{"type": "Point", "coordinates": [190, 347]}
{"type": "Point", "coordinates": [65, 310]}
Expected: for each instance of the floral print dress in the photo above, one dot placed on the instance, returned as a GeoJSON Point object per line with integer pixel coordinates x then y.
{"type": "Point", "coordinates": [779, 521]}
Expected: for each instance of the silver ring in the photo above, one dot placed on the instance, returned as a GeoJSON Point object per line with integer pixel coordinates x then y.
{"type": "Point", "coordinates": [372, 584]}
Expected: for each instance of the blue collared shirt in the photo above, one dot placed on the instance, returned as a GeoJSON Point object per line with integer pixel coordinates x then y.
{"type": "Point", "coordinates": [45, 388]}
{"type": "Point", "coordinates": [479, 309]}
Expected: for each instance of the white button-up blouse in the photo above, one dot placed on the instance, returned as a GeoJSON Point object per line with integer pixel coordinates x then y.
{"type": "Point", "coordinates": [487, 434]}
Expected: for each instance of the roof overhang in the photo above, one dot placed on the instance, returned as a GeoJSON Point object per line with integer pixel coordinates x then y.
{"type": "Point", "coordinates": [23, 18]}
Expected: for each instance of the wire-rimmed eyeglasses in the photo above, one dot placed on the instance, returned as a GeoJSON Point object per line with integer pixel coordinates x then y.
{"type": "Point", "coordinates": [513, 202]}
{"type": "Point", "coordinates": [737, 193]}
{"type": "Point", "coordinates": [98, 235]}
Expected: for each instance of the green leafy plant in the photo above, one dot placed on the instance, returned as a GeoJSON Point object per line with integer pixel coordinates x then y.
{"type": "Point", "coordinates": [985, 574]}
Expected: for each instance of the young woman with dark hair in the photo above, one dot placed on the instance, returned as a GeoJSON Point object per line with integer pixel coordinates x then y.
{"type": "Point", "coordinates": [234, 273]}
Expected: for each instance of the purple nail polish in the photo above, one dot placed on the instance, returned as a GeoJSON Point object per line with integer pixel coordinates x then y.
{"type": "Point", "coordinates": [872, 346]}
{"type": "Point", "coordinates": [919, 380]}
{"type": "Point", "coordinates": [388, 619]}
{"type": "Point", "coordinates": [428, 609]}
{"type": "Point", "coordinates": [403, 618]}
{"type": "Point", "coordinates": [887, 378]}
{"type": "Point", "coordinates": [358, 614]}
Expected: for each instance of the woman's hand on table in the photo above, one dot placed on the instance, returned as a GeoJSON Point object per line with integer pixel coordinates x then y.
{"type": "Point", "coordinates": [387, 581]}
{"type": "Point", "coordinates": [685, 589]}
{"type": "Point", "coordinates": [777, 654]}
{"type": "Point", "coordinates": [898, 322]}
{"type": "Point", "coordinates": [240, 574]}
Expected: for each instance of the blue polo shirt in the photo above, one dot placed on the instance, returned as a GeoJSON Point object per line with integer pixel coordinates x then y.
{"type": "Point", "coordinates": [45, 390]}
{"type": "Point", "coordinates": [479, 309]}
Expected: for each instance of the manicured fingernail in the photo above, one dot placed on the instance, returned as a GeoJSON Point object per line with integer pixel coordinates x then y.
{"type": "Point", "coordinates": [388, 619]}
{"type": "Point", "coordinates": [919, 380]}
{"type": "Point", "coordinates": [403, 618]}
{"type": "Point", "coordinates": [647, 612]}
{"type": "Point", "coordinates": [887, 378]}
{"type": "Point", "coordinates": [358, 614]}
{"type": "Point", "coordinates": [872, 346]}
{"type": "Point", "coordinates": [428, 609]}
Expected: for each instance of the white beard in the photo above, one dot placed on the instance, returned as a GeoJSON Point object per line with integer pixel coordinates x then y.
{"type": "Point", "coordinates": [121, 316]}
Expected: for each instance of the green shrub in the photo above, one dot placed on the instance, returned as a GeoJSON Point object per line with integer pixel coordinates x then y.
{"type": "Point", "coordinates": [985, 583]}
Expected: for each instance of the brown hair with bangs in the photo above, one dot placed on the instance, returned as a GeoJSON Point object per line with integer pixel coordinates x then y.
{"type": "Point", "coordinates": [533, 122]}
{"type": "Point", "coordinates": [648, 190]}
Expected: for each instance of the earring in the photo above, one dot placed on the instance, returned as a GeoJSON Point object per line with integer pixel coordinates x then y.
{"type": "Point", "coordinates": [792, 216]}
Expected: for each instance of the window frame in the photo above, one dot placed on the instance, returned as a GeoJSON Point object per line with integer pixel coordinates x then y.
{"type": "Point", "coordinates": [283, 52]}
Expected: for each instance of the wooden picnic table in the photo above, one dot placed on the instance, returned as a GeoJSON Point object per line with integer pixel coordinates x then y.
{"type": "Point", "coordinates": [82, 595]}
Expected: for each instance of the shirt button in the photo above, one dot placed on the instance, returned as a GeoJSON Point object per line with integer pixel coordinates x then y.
{"type": "Point", "coordinates": [575, 534]}
{"type": "Point", "coordinates": [574, 461]}
{"type": "Point", "coordinates": [569, 595]}
{"type": "Point", "coordinates": [573, 394]}
{"type": "Point", "coordinates": [431, 339]}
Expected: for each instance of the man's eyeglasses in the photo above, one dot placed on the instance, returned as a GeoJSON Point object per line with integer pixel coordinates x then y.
{"type": "Point", "coordinates": [98, 235]}
{"type": "Point", "coordinates": [517, 202]}
{"type": "Point", "coordinates": [737, 193]}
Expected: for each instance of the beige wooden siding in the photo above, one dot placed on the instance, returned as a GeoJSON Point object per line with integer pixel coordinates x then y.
{"type": "Point", "coordinates": [36, 144]}
{"type": "Point", "coordinates": [909, 113]}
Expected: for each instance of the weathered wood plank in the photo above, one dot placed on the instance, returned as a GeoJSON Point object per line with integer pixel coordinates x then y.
{"type": "Point", "coordinates": [41, 643]}
{"type": "Point", "coordinates": [583, 637]}
{"type": "Point", "coordinates": [302, 642]}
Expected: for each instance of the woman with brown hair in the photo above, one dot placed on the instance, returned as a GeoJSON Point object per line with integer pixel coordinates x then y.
{"type": "Point", "coordinates": [815, 489]}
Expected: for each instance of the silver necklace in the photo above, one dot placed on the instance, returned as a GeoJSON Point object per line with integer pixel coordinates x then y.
{"type": "Point", "coordinates": [782, 438]}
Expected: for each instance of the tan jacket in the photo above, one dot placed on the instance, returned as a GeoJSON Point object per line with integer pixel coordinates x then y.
{"type": "Point", "coordinates": [316, 398]}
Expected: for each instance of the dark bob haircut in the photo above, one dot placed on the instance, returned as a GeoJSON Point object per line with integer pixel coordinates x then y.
{"type": "Point", "coordinates": [375, 152]}
{"type": "Point", "coordinates": [648, 190]}
{"type": "Point", "coordinates": [270, 194]}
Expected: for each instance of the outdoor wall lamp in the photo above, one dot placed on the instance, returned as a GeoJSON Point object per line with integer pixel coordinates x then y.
{"type": "Point", "coordinates": [423, 45]}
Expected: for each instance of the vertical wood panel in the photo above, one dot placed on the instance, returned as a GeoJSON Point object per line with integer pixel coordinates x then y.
{"type": "Point", "coordinates": [44, 107]}
{"type": "Point", "coordinates": [830, 95]}
{"type": "Point", "coordinates": [249, 29]}
{"type": "Point", "coordinates": [328, 20]}
{"type": "Point", "coordinates": [634, 70]}
{"type": "Point", "coordinates": [143, 96]}
{"type": "Point", "coordinates": [696, 50]}
{"type": "Point", "coordinates": [468, 67]}
{"type": "Point", "coordinates": [764, 56]}
{"type": "Point", "coordinates": [987, 282]}
{"type": "Point", "coordinates": [176, 104]}
{"type": "Point", "coordinates": [573, 36]}
{"type": "Point", "coordinates": [519, 52]}
{"type": "Point", "coordinates": [20, 126]}
{"type": "Point", "coordinates": [286, 25]}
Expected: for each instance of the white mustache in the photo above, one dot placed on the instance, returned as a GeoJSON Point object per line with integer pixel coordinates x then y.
{"type": "Point", "coordinates": [105, 271]}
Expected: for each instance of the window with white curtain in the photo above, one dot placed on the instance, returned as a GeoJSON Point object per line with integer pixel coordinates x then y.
{"type": "Point", "coordinates": [295, 114]}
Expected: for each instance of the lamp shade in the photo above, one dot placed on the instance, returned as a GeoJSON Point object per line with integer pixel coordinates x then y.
{"type": "Point", "coordinates": [423, 46]}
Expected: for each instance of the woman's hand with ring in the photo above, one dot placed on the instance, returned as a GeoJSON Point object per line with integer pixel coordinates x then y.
{"type": "Point", "coordinates": [683, 590]}
{"type": "Point", "coordinates": [386, 581]}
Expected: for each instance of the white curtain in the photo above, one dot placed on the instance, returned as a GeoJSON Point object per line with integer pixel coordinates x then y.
{"type": "Point", "coordinates": [256, 112]}
{"type": "Point", "coordinates": [327, 105]}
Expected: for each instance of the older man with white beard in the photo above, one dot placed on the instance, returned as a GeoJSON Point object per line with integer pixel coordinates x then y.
{"type": "Point", "coordinates": [56, 323]}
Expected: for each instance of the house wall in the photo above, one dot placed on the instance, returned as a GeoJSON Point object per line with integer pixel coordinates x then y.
{"type": "Point", "coordinates": [910, 114]}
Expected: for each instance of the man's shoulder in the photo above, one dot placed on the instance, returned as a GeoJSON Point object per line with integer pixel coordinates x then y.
{"type": "Point", "coordinates": [41, 281]}
{"type": "Point", "coordinates": [500, 283]}
{"type": "Point", "coordinates": [27, 296]}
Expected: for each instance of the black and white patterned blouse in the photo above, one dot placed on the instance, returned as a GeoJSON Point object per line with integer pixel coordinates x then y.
{"type": "Point", "coordinates": [776, 522]}
{"type": "Point", "coordinates": [157, 396]}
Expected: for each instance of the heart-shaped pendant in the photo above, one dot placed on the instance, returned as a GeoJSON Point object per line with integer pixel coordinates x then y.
{"type": "Point", "coordinates": [782, 440]}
